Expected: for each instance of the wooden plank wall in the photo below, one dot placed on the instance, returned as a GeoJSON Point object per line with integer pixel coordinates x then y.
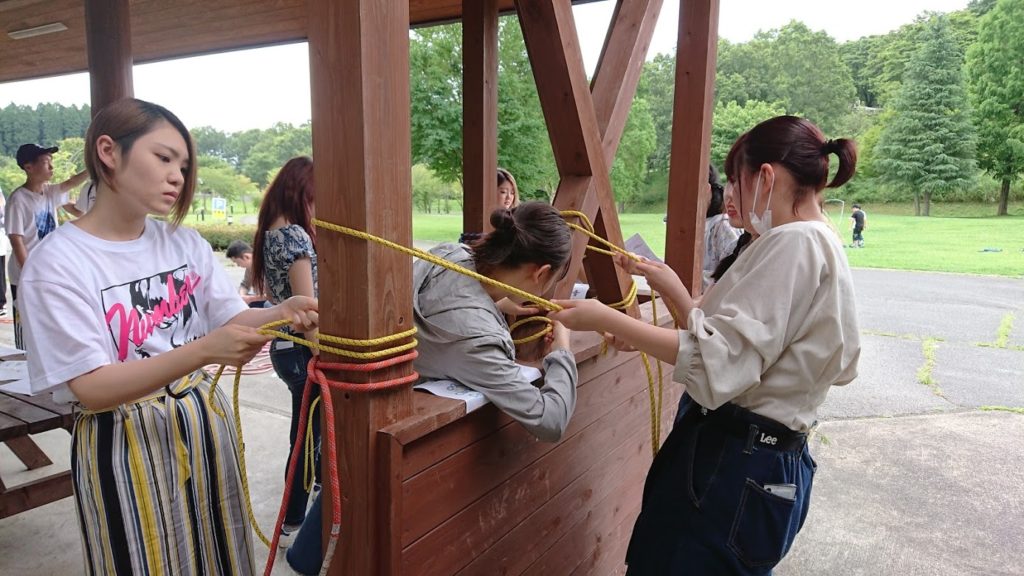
{"type": "Point", "coordinates": [482, 496]}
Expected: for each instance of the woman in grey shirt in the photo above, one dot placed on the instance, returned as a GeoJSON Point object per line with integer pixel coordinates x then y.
{"type": "Point", "coordinates": [463, 335]}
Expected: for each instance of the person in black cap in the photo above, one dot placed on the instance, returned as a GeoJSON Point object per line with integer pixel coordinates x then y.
{"type": "Point", "coordinates": [31, 212]}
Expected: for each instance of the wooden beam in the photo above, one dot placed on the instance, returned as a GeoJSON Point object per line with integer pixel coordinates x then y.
{"type": "Point", "coordinates": [618, 70]}
{"type": "Point", "coordinates": [108, 35]}
{"type": "Point", "coordinates": [688, 189]}
{"type": "Point", "coordinates": [359, 71]}
{"type": "Point", "coordinates": [479, 113]}
{"type": "Point", "coordinates": [557, 62]}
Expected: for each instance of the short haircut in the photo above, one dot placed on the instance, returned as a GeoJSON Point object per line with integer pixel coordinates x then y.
{"type": "Point", "coordinates": [125, 121]}
{"type": "Point", "coordinates": [239, 248]}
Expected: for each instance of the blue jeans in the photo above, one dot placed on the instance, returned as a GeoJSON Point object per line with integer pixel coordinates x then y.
{"type": "Point", "coordinates": [712, 501]}
{"type": "Point", "coordinates": [290, 361]}
{"type": "Point", "coordinates": [305, 555]}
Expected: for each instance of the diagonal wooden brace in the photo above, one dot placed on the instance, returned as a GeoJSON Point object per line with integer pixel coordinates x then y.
{"type": "Point", "coordinates": [584, 123]}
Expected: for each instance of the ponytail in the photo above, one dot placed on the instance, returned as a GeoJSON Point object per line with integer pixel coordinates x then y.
{"type": "Point", "coordinates": [846, 150]}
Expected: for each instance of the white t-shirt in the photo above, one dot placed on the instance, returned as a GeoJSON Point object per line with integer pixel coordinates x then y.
{"type": "Point", "coordinates": [33, 216]}
{"type": "Point", "coordinates": [89, 302]}
{"type": "Point", "coordinates": [86, 197]}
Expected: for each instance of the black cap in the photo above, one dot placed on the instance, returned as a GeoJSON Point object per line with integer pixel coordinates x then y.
{"type": "Point", "coordinates": [27, 153]}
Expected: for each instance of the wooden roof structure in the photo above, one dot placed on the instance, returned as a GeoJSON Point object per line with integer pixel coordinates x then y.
{"type": "Point", "coordinates": [428, 489]}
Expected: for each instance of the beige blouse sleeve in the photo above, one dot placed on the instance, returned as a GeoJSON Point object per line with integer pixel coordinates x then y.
{"type": "Point", "coordinates": [724, 352]}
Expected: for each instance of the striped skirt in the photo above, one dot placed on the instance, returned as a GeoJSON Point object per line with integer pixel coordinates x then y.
{"type": "Point", "coordinates": [158, 488]}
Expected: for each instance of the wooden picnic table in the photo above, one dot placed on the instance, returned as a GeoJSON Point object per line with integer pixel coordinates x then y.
{"type": "Point", "coordinates": [20, 417]}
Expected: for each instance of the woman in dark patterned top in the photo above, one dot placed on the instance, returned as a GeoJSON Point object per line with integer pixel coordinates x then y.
{"type": "Point", "coordinates": [284, 264]}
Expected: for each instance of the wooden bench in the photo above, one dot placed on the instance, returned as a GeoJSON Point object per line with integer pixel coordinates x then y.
{"type": "Point", "coordinates": [20, 417]}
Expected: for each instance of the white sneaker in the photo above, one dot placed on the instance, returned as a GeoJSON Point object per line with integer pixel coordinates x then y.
{"type": "Point", "coordinates": [288, 532]}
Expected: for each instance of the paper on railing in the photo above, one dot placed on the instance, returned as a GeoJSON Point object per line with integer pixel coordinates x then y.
{"type": "Point", "coordinates": [473, 399]}
{"type": "Point", "coordinates": [8, 352]}
{"type": "Point", "coordinates": [17, 386]}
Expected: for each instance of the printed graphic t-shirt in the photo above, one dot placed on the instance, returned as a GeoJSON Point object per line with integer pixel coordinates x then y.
{"type": "Point", "coordinates": [90, 302]}
{"type": "Point", "coordinates": [33, 216]}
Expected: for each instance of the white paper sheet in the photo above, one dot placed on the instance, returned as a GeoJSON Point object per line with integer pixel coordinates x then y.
{"type": "Point", "coordinates": [17, 386]}
{"type": "Point", "coordinates": [13, 370]}
{"type": "Point", "coordinates": [473, 399]}
{"type": "Point", "coordinates": [8, 352]}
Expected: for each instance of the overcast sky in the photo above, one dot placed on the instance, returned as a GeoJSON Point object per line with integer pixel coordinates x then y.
{"type": "Point", "coordinates": [256, 88]}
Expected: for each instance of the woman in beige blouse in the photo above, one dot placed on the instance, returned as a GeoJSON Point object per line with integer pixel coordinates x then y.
{"type": "Point", "coordinates": [730, 487]}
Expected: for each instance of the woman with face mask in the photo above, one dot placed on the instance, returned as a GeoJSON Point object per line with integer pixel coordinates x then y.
{"type": "Point", "coordinates": [730, 487]}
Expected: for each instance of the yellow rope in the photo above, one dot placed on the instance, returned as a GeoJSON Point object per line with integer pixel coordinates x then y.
{"type": "Point", "coordinates": [269, 329]}
{"type": "Point", "coordinates": [547, 329]}
{"type": "Point", "coordinates": [309, 450]}
{"type": "Point", "coordinates": [654, 398]}
{"type": "Point", "coordinates": [241, 445]}
{"type": "Point", "coordinates": [423, 255]}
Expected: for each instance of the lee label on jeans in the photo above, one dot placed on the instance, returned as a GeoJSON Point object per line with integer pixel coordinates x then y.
{"type": "Point", "coordinates": [768, 439]}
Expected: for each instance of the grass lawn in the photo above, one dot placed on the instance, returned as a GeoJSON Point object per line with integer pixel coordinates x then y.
{"type": "Point", "coordinates": [954, 239]}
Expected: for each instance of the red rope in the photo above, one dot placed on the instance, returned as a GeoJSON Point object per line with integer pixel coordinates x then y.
{"type": "Point", "coordinates": [315, 375]}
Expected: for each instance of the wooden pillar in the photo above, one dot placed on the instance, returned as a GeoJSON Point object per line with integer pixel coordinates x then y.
{"type": "Point", "coordinates": [688, 189]}
{"type": "Point", "coordinates": [359, 71]}
{"type": "Point", "coordinates": [576, 139]}
{"type": "Point", "coordinates": [479, 113]}
{"type": "Point", "coordinates": [618, 70]}
{"type": "Point", "coordinates": [108, 43]}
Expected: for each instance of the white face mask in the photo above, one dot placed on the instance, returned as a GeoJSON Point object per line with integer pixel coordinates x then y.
{"type": "Point", "coordinates": [763, 223]}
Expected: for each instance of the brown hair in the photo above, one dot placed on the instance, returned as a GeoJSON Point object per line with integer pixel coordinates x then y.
{"type": "Point", "coordinates": [506, 176]}
{"type": "Point", "coordinates": [127, 120]}
{"type": "Point", "coordinates": [290, 196]}
{"type": "Point", "coordinates": [797, 145]}
{"type": "Point", "coordinates": [531, 233]}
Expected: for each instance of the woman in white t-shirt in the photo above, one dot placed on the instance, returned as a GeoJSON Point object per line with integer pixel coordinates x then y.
{"type": "Point", "coordinates": [121, 314]}
{"type": "Point", "coordinates": [730, 488]}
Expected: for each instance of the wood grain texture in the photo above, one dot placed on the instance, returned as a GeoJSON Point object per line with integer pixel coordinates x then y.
{"type": "Point", "coordinates": [688, 189]}
{"type": "Point", "coordinates": [479, 113]}
{"type": "Point", "coordinates": [359, 72]}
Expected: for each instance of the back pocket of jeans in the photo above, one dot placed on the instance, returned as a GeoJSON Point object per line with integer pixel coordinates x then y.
{"type": "Point", "coordinates": [763, 529]}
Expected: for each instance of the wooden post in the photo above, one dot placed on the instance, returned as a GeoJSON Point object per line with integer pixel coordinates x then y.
{"type": "Point", "coordinates": [688, 189]}
{"type": "Point", "coordinates": [108, 43]}
{"type": "Point", "coordinates": [618, 70]}
{"type": "Point", "coordinates": [576, 138]}
{"type": "Point", "coordinates": [359, 71]}
{"type": "Point", "coordinates": [479, 113]}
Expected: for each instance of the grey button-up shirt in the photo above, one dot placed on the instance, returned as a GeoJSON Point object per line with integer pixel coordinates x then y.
{"type": "Point", "coordinates": [464, 337]}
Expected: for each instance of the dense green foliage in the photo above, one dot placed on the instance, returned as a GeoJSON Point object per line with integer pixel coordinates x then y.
{"type": "Point", "coordinates": [928, 145]}
{"type": "Point", "coordinates": [900, 95]}
{"type": "Point", "coordinates": [996, 83]}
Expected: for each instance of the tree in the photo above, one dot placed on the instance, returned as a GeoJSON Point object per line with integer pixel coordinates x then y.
{"type": "Point", "coordinates": [211, 142]}
{"type": "Point", "coordinates": [69, 160]}
{"type": "Point", "coordinates": [808, 76]}
{"type": "Point", "coordinates": [928, 146]}
{"type": "Point", "coordinates": [274, 147]}
{"type": "Point", "coordinates": [732, 119]}
{"type": "Point", "coordinates": [216, 177]}
{"type": "Point", "coordinates": [997, 94]}
{"type": "Point", "coordinates": [629, 170]}
{"type": "Point", "coordinates": [657, 88]}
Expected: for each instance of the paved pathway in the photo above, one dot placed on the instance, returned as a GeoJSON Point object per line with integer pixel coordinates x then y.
{"type": "Point", "coordinates": [912, 479]}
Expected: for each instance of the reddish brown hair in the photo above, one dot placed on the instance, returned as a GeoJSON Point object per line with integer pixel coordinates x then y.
{"type": "Point", "coordinates": [799, 146]}
{"type": "Point", "coordinates": [127, 120]}
{"type": "Point", "coordinates": [290, 196]}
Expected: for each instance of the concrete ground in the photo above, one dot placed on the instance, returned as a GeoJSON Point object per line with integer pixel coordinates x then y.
{"type": "Point", "coordinates": [914, 478]}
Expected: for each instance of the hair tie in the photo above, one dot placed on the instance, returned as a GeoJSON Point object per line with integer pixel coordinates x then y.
{"type": "Point", "coordinates": [829, 147]}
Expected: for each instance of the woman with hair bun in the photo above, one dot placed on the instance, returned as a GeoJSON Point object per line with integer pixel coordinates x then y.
{"type": "Point", "coordinates": [463, 335]}
{"type": "Point", "coordinates": [730, 488]}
